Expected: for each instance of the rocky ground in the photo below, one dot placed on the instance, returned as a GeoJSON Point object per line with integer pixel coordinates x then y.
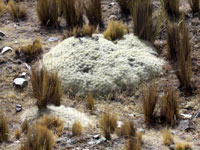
{"type": "Point", "coordinates": [124, 105]}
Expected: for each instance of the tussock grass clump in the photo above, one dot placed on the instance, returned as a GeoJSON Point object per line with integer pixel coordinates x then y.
{"type": "Point", "coordinates": [168, 138]}
{"type": "Point", "coordinates": [108, 124]}
{"type": "Point", "coordinates": [86, 30]}
{"type": "Point", "coordinates": [16, 10]}
{"type": "Point", "coordinates": [46, 87]}
{"type": "Point", "coordinates": [2, 7]}
{"type": "Point", "coordinates": [183, 146]}
{"type": "Point", "coordinates": [145, 26]}
{"type": "Point", "coordinates": [47, 12]}
{"type": "Point", "coordinates": [115, 30]}
{"type": "Point", "coordinates": [77, 128]}
{"type": "Point", "coordinates": [31, 51]}
{"type": "Point", "coordinates": [125, 6]}
{"type": "Point", "coordinates": [38, 138]}
{"type": "Point", "coordinates": [4, 130]}
{"type": "Point", "coordinates": [127, 129]}
{"type": "Point", "coordinates": [194, 4]}
{"type": "Point", "coordinates": [184, 71]}
{"type": "Point", "coordinates": [90, 101]}
{"type": "Point", "coordinates": [73, 12]}
{"type": "Point", "coordinates": [149, 103]}
{"type": "Point", "coordinates": [52, 123]}
{"type": "Point", "coordinates": [172, 8]}
{"type": "Point", "coordinates": [93, 10]}
{"type": "Point", "coordinates": [134, 142]}
{"type": "Point", "coordinates": [169, 107]}
{"type": "Point", "coordinates": [17, 133]}
{"type": "Point", "coordinates": [25, 126]}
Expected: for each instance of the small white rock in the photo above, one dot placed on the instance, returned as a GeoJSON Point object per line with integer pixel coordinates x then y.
{"type": "Point", "coordinates": [186, 116]}
{"type": "Point", "coordinates": [5, 49]}
{"type": "Point", "coordinates": [119, 124]}
{"type": "Point", "coordinates": [20, 82]}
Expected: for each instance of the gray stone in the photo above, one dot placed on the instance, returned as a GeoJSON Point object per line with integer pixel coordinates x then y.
{"type": "Point", "coordinates": [20, 82]}
{"type": "Point", "coordinates": [52, 39]}
{"type": "Point", "coordinates": [6, 49]}
{"type": "Point", "coordinates": [18, 108]}
{"type": "Point", "coordinates": [184, 124]}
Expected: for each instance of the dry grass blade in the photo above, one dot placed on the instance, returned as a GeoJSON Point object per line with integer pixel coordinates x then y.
{"type": "Point", "coordinates": [115, 30]}
{"type": "Point", "coordinates": [4, 130]}
{"type": "Point", "coordinates": [25, 127]}
{"type": "Point", "coordinates": [16, 10]}
{"type": "Point", "coordinates": [2, 7]}
{"type": "Point", "coordinates": [167, 137]}
{"type": "Point", "coordinates": [93, 10]}
{"type": "Point", "coordinates": [46, 87]}
{"type": "Point", "coordinates": [125, 6]}
{"type": "Point", "coordinates": [134, 143]}
{"type": "Point", "coordinates": [149, 103]}
{"type": "Point", "coordinates": [145, 26]}
{"type": "Point", "coordinates": [77, 128]}
{"type": "Point", "coordinates": [194, 4]}
{"type": "Point", "coordinates": [183, 146]}
{"type": "Point", "coordinates": [90, 101]}
{"type": "Point", "coordinates": [172, 8]}
{"type": "Point", "coordinates": [47, 11]}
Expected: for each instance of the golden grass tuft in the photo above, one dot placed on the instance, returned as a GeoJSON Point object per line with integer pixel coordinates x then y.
{"type": "Point", "coordinates": [134, 143]}
{"type": "Point", "coordinates": [183, 146]}
{"type": "Point", "coordinates": [194, 4]}
{"type": "Point", "coordinates": [115, 30]}
{"type": "Point", "coordinates": [168, 138]}
{"type": "Point", "coordinates": [38, 138]}
{"type": "Point", "coordinates": [17, 133]}
{"type": "Point", "coordinates": [52, 123]}
{"type": "Point", "coordinates": [4, 130]}
{"type": "Point", "coordinates": [25, 127]}
{"type": "Point", "coordinates": [169, 107]}
{"type": "Point", "coordinates": [90, 101]}
{"type": "Point", "coordinates": [145, 26]}
{"type": "Point", "coordinates": [2, 7]}
{"type": "Point", "coordinates": [72, 12]}
{"type": "Point", "coordinates": [31, 51]}
{"type": "Point", "coordinates": [149, 103]}
{"type": "Point", "coordinates": [86, 30]}
{"type": "Point", "coordinates": [127, 129]}
{"type": "Point", "coordinates": [93, 10]}
{"type": "Point", "coordinates": [172, 8]}
{"type": "Point", "coordinates": [46, 87]}
{"type": "Point", "coordinates": [77, 128]}
{"type": "Point", "coordinates": [125, 6]}
{"type": "Point", "coordinates": [47, 12]}
{"type": "Point", "coordinates": [108, 124]}
{"type": "Point", "coordinates": [16, 10]}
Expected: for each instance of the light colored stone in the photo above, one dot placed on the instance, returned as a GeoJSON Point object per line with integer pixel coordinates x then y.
{"type": "Point", "coordinates": [67, 114]}
{"type": "Point", "coordinates": [6, 49]}
{"type": "Point", "coordinates": [20, 82]}
{"type": "Point", "coordinates": [102, 67]}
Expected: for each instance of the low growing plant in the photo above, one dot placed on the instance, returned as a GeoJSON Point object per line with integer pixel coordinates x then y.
{"type": "Point", "coordinates": [77, 128]}
{"type": "Point", "coordinates": [86, 30]}
{"type": "Point", "coordinates": [4, 130]}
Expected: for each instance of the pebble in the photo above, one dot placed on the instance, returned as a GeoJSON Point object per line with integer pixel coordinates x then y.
{"type": "Point", "coordinates": [22, 75]}
{"type": "Point", "coordinates": [18, 107]}
{"type": "Point", "coordinates": [52, 39]}
{"type": "Point", "coordinates": [20, 82]}
{"type": "Point", "coordinates": [186, 116]}
{"type": "Point", "coordinates": [5, 49]}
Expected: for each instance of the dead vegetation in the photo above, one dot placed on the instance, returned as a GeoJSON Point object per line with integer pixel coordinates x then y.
{"type": "Point", "coordinates": [167, 137]}
{"type": "Point", "coordinates": [145, 26]}
{"type": "Point", "coordinates": [93, 10]}
{"type": "Point", "coordinates": [169, 106]}
{"type": "Point", "coordinates": [183, 146]}
{"type": "Point", "coordinates": [38, 138]}
{"type": "Point", "coordinates": [194, 4]}
{"type": "Point", "coordinates": [90, 101]}
{"type": "Point", "coordinates": [4, 130]}
{"type": "Point", "coordinates": [72, 12]}
{"type": "Point", "coordinates": [149, 103]}
{"type": "Point", "coordinates": [47, 11]}
{"type": "Point", "coordinates": [16, 11]}
{"type": "Point", "coordinates": [86, 30]}
{"type": "Point", "coordinates": [77, 128]}
{"type": "Point", "coordinates": [115, 30]}
{"type": "Point", "coordinates": [125, 6]}
{"type": "Point", "coordinates": [17, 133]}
{"type": "Point", "coordinates": [127, 129]}
{"type": "Point", "coordinates": [2, 7]}
{"type": "Point", "coordinates": [25, 127]}
{"type": "Point", "coordinates": [46, 87]}
{"type": "Point", "coordinates": [172, 8]}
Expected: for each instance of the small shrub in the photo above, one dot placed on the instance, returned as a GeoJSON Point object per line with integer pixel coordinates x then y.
{"type": "Point", "coordinates": [167, 137]}
{"type": "Point", "coordinates": [125, 6]}
{"type": "Point", "coordinates": [93, 10]}
{"type": "Point", "coordinates": [183, 146]}
{"type": "Point", "coordinates": [172, 8]}
{"type": "Point", "coordinates": [47, 12]}
{"type": "Point", "coordinates": [169, 107]}
{"type": "Point", "coordinates": [108, 124]}
{"type": "Point", "coordinates": [145, 26]}
{"type": "Point", "coordinates": [2, 7]}
{"type": "Point", "coordinates": [127, 129]}
{"type": "Point", "coordinates": [86, 30]}
{"type": "Point", "coordinates": [4, 130]}
{"type": "Point", "coordinates": [73, 12]}
{"type": "Point", "coordinates": [16, 10]}
{"type": "Point", "coordinates": [17, 133]}
{"type": "Point", "coordinates": [25, 126]}
{"type": "Point", "coordinates": [52, 123]}
{"type": "Point", "coordinates": [77, 128]}
{"type": "Point", "coordinates": [149, 103]}
{"type": "Point", "coordinates": [46, 87]}
{"type": "Point", "coordinates": [194, 4]}
{"type": "Point", "coordinates": [115, 30]}
{"type": "Point", "coordinates": [30, 51]}
{"type": "Point", "coordinates": [90, 101]}
{"type": "Point", "coordinates": [38, 138]}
